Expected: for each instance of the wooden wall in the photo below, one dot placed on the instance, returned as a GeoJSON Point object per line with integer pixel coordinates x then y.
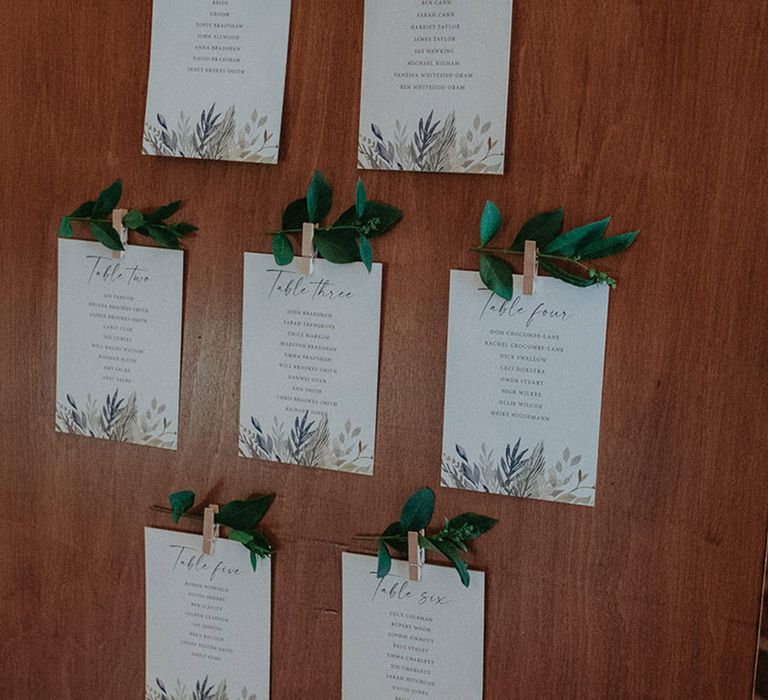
{"type": "Point", "coordinates": [649, 110]}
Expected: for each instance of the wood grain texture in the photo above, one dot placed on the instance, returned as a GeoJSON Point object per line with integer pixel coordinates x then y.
{"type": "Point", "coordinates": [652, 111]}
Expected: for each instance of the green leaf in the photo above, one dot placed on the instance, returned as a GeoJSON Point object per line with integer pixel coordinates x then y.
{"type": "Point", "coordinates": [105, 234]}
{"type": "Point", "coordinates": [426, 543]}
{"type": "Point", "coordinates": [542, 228]}
{"type": "Point", "coordinates": [377, 219]}
{"type": "Point", "coordinates": [366, 252]}
{"type": "Point", "coordinates": [453, 556]}
{"type": "Point", "coordinates": [609, 246]}
{"type": "Point", "coordinates": [182, 228]}
{"type": "Point", "coordinates": [108, 199]}
{"type": "Point", "coordinates": [337, 246]}
{"type": "Point", "coordinates": [255, 542]}
{"type": "Point", "coordinates": [241, 536]}
{"type": "Point", "coordinates": [260, 544]}
{"type": "Point", "coordinates": [395, 530]}
{"type": "Point", "coordinates": [162, 213]}
{"type": "Point", "coordinates": [385, 560]}
{"type": "Point", "coordinates": [65, 228]}
{"type": "Point", "coordinates": [319, 198]}
{"type": "Point", "coordinates": [244, 515]}
{"type": "Point", "coordinates": [296, 215]}
{"type": "Point", "coordinates": [474, 524]}
{"type": "Point", "coordinates": [561, 274]}
{"type": "Point", "coordinates": [497, 275]}
{"type": "Point", "coordinates": [181, 502]}
{"type": "Point", "coordinates": [133, 219]}
{"type": "Point", "coordinates": [282, 249]}
{"type": "Point", "coordinates": [163, 236]}
{"type": "Point", "coordinates": [84, 211]}
{"type": "Point", "coordinates": [490, 223]}
{"type": "Point", "coordinates": [570, 243]}
{"type": "Point", "coordinates": [417, 511]}
{"type": "Point", "coordinates": [360, 198]}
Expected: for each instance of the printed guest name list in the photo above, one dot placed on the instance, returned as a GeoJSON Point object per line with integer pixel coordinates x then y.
{"type": "Point", "coordinates": [208, 618]}
{"type": "Point", "coordinates": [216, 79]}
{"type": "Point", "coordinates": [310, 364]}
{"type": "Point", "coordinates": [404, 640]}
{"type": "Point", "coordinates": [434, 93]}
{"type": "Point", "coordinates": [119, 343]}
{"type": "Point", "coordinates": [523, 389]}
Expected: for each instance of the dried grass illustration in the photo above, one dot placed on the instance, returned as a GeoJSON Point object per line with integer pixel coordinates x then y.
{"type": "Point", "coordinates": [214, 136]}
{"type": "Point", "coordinates": [308, 442]}
{"type": "Point", "coordinates": [201, 691]}
{"type": "Point", "coordinates": [519, 472]}
{"type": "Point", "coordinates": [434, 146]}
{"type": "Point", "coordinates": [118, 418]}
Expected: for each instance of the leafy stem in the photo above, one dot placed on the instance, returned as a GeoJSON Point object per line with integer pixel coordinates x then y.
{"type": "Point", "coordinates": [450, 541]}
{"type": "Point", "coordinates": [317, 228]}
{"type": "Point", "coordinates": [169, 511]}
{"type": "Point", "coordinates": [348, 239]}
{"type": "Point", "coordinates": [241, 517]}
{"type": "Point", "coordinates": [557, 251]}
{"type": "Point", "coordinates": [542, 256]}
{"type": "Point", "coordinates": [153, 224]}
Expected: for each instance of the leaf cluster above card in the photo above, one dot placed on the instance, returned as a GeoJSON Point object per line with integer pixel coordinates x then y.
{"type": "Point", "coordinates": [560, 253]}
{"type": "Point", "coordinates": [347, 240]}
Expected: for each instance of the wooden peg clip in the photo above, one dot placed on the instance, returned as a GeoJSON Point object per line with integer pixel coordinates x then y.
{"type": "Point", "coordinates": [210, 529]}
{"type": "Point", "coordinates": [117, 223]}
{"type": "Point", "coordinates": [416, 556]}
{"type": "Point", "coordinates": [530, 267]}
{"type": "Point", "coordinates": [307, 260]}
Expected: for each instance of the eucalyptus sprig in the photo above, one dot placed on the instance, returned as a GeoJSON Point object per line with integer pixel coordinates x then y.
{"type": "Point", "coordinates": [450, 541]}
{"type": "Point", "coordinates": [97, 215]}
{"type": "Point", "coordinates": [560, 254]}
{"type": "Point", "coordinates": [347, 240]}
{"type": "Point", "coordinates": [242, 517]}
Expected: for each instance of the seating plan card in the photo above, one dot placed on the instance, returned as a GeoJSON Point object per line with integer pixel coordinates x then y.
{"type": "Point", "coordinates": [523, 389]}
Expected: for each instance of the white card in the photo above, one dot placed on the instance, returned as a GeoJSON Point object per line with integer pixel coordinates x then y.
{"type": "Point", "coordinates": [208, 619]}
{"type": "Point", "coordinates": [310, 364]}
{"type": "Point", "coordinates": [523, 388]}
{"type": "Point", "coordinates": [216, 79]}
{"type": "Point", "coordinates": [119, 343]}
{"type": "Point", "coordinates": [404, 640]}
{"type": "Point", "coordinates": [435, 84]}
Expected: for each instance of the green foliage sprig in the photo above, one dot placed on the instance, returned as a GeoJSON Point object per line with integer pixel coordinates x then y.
{"type": "Point", "coordinates": [97, 215]}
{"type": "Point", "coordinates": [560, 254]}
{"type": "Point", "coordinates": [348, 239]}
{"type": "Point", "coordinates": [450, 541]}
{"type": "Point", "coordinates": [242, 517]}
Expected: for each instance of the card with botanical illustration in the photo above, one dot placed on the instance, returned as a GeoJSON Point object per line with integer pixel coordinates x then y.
{"type": "Point", "coordinates": [216, 79]}
{"type": "Point", "coordinates": [119, 343]}
{"type": "Point", "coordinates": [310, 364]}
{"type": "Point", "coordinates": [523, 389]}
{"type": "Point", "coordinates": [434, 86]}
{"type": "Point", "coordinates": [208, 620]}
{"type": "Point", "coordinates": [406, 639]}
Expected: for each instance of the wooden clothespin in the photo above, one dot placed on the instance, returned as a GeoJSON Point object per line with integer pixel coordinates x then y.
{"type": "Point", "coordinates": [210, 529]}
{"type": "Point", "coordinates": [416, 556]}
{"type": "Point", "coordinates": [307, 260]}
{"type": "Point", "coordinates": [530, 267]}
{"type": "Point", "coordinates": [117, 223]}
